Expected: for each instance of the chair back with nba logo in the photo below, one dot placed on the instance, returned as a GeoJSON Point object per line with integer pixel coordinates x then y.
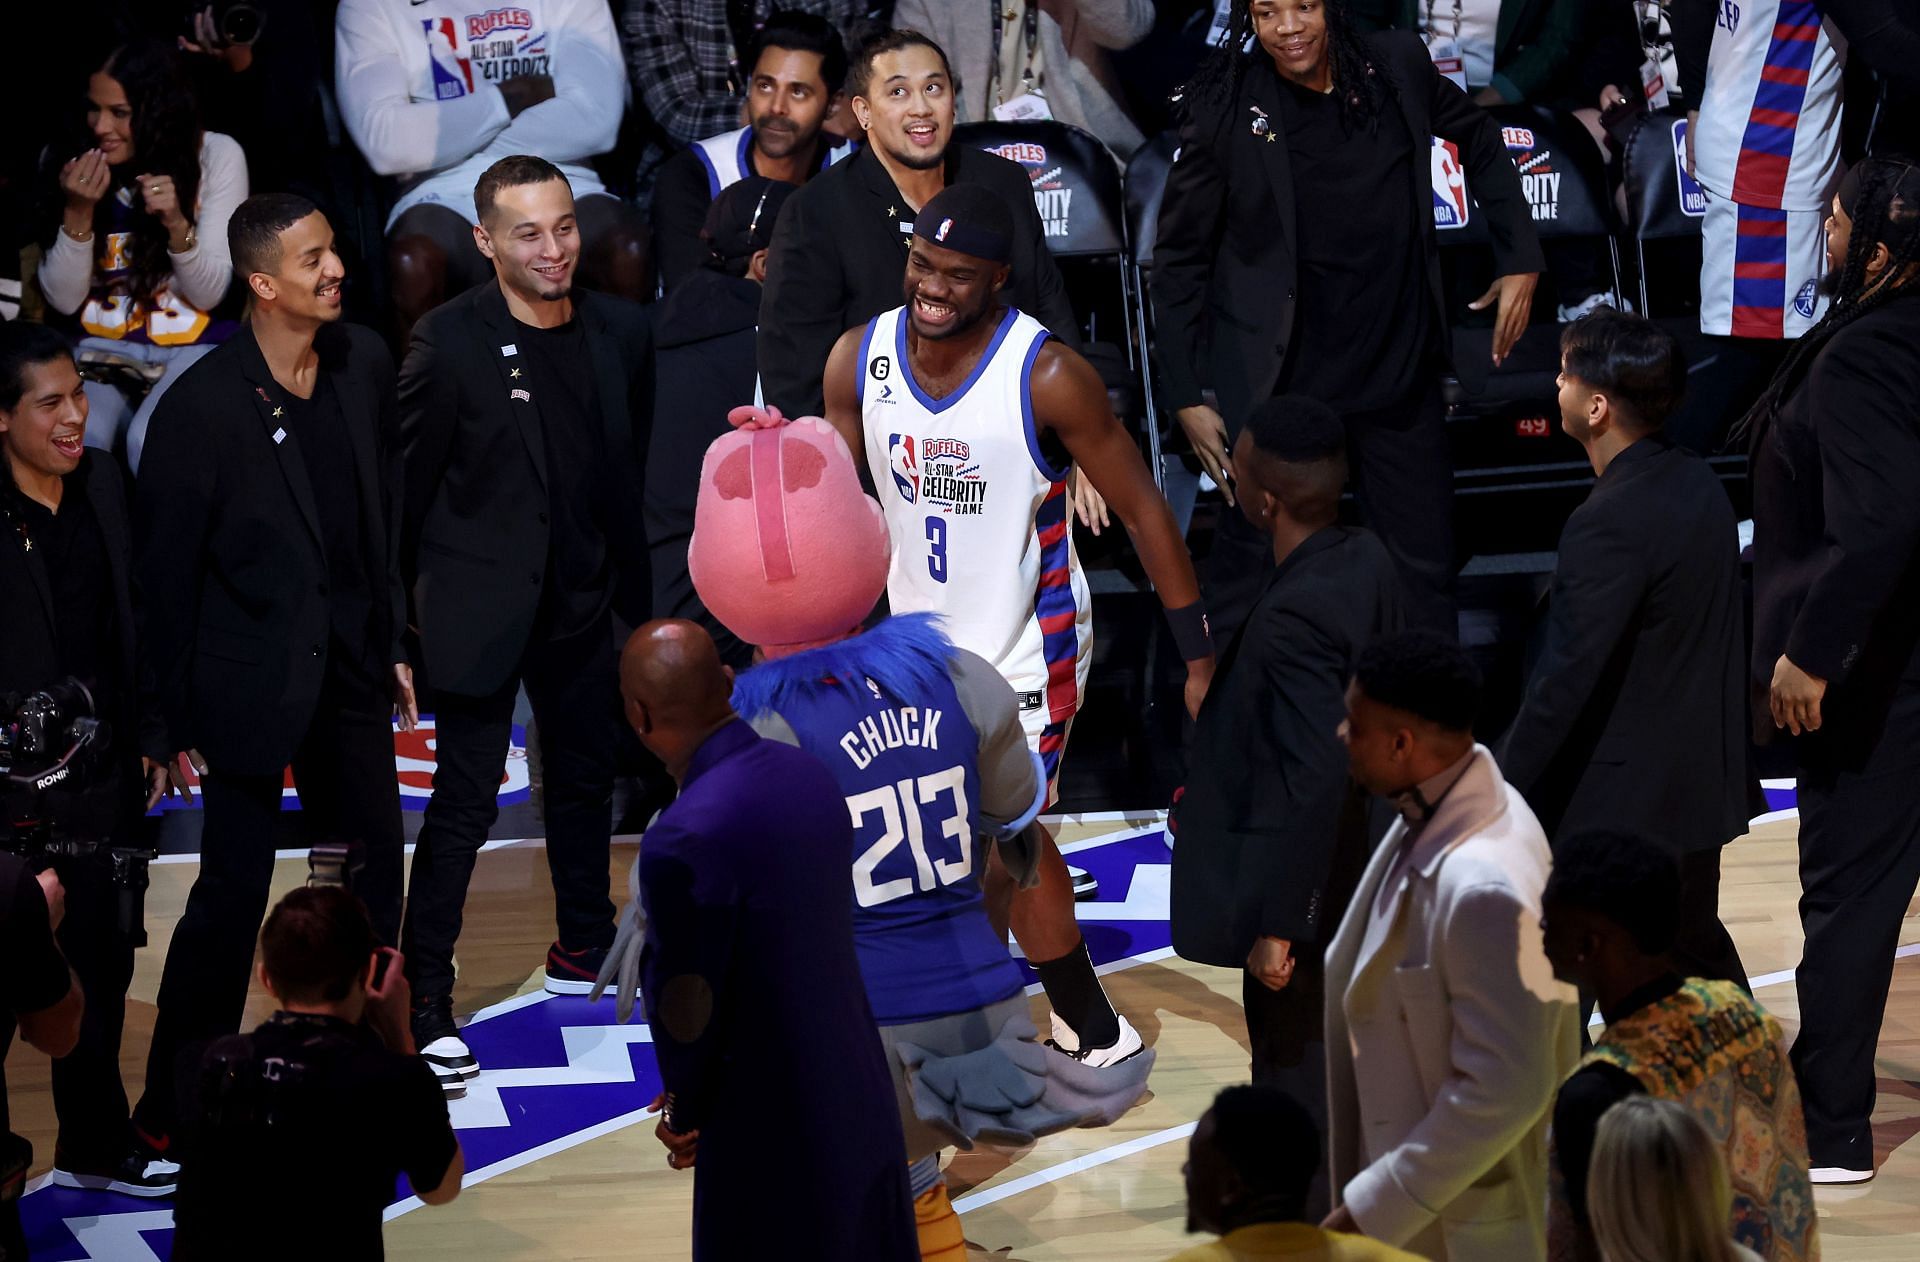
{"type": "Point", "coordinates": [1076, 189]}
{"type": "Point", "coordinates": [1664, 203]}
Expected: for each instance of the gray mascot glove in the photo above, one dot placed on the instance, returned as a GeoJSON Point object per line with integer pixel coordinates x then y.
{"type": "Point", "coordinates": [622, 969]}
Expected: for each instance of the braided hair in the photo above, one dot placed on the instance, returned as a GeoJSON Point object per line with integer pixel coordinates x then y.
{"type": "Point", "coordinates": [1215, 84]}
{"type": "Point", "coordinates": [166, 141]}
{"type": "Point", "coordinates": [1882, 197]}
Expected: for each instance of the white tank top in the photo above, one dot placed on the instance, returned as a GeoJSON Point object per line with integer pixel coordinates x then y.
{"type": "Point", "coordinates": [1770, 115]}
{"type": "Point", "coordinates": [726, 162]}
{"type": "Point", "coordinates": [977, 512]}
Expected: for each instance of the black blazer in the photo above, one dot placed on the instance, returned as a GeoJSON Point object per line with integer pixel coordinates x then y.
{"type": "Point", "coordinates": [1634, 716]}
{"type": "Point", "coordinates": [1224, 265]}
{"type": "Point", "coordinates": [839, 259]}
{"type": "Point", "coordinates": [474, 545]}
{"type": "Point", "coordinates": [1271, 833]}
{"type": "Point", "coordinates": [231, 575]}
{"type": "Point", "coordinates": [29, 645]}
{"type": "Point", "coordinates": [1836, 540]}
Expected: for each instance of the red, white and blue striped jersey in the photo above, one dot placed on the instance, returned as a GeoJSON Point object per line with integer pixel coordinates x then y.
{"type": "Point", "coordinates": [977, 511]}
{"type": "Point", "coordinates": [1769, 130]}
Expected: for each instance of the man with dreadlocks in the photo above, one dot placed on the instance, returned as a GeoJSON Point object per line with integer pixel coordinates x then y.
{"type": "Point", "coordinates": [1297, 225]}
{"type": "Point", "coordinates": [1836, 495]}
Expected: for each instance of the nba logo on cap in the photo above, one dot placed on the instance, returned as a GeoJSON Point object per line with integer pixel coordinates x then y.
{"type": "Point", "coordinates": [941, 234]}
{"type": "Point", "coordinates": [904, 467]}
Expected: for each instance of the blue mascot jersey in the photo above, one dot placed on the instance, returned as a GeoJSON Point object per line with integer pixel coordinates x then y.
{"type": "Point", "coordinates": [883, 711]}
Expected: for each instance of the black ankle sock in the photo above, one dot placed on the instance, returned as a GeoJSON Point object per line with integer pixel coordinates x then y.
{"type": "Point", "coordinates": [1076, 995]}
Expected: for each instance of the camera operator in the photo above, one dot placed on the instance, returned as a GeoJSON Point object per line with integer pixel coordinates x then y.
{"type": "Point", "coordinates": [40, 994]}
{"type": "Point", "coordinates": [321, 1107]}
{"type": "Point", "coordinates": [66, 613]}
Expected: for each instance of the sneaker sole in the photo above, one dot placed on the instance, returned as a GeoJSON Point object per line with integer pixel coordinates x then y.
{"type": "Point", "coordinates": [106, 1183]}
{"type": "Point", "coordinates": [1085, 884]}
{"type": "Point", "coordinates": [569, 985]}
{"type": "Point", "coordinates": [1835, 1176]}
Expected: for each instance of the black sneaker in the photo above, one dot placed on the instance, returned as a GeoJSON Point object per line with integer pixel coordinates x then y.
{"type": "Point", "coordinates": [440, 1045]}
{"type": "Point", "coordinates": [1085, 884]}
{"type": "Point", "coordinates": [573, 972]}
{"type": "Point", "coordinates": [141, 1172]}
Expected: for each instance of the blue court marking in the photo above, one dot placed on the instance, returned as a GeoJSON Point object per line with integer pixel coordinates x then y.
{"type": "Point", "coordinates": [558, 1071]}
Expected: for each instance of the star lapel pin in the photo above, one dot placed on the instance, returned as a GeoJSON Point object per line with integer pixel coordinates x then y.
{"type": "Point", "coordinates": [278, 413]}
{"type": "Point", "coordinates": [892, 213]}
{"type": "Point", "coordinates": [513, 372]}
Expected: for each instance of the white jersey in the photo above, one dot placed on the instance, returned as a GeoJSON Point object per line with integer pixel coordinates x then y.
{"type": "Point", "coordinates": [977, 512]}
{"type": "Point", "coordinates": [725, 157]}
{"type": "Point", "coordinates": [1769, 130]}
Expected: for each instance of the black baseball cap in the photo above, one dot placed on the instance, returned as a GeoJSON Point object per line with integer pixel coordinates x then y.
{"type": "Point", "coordinates": [740, 220]}
{"type": "Point", "coordinates": [969, 218]}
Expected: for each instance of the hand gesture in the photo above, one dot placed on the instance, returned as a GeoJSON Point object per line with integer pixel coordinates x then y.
{"type": "Point", "coordinates": [1271, 962]}
{"type": "Point", "coordinates": [389, 1010]}
{"type": "Point", "coordinates": [159, 198]}
{"type": "Point", "coordinates": [1199, 679]}
{"type": "Point", "coordinates": [1515, 294]}
{"type": "Point", "coordinates": [1795, 697]}
{"type": "Point", "coordinates": [1693, 125]}
{"type": "Point", "coordinates": [84, 181]}
{"type": "Point", "coordinates": [165, 779]}
{"type": "Point", "coordinates": [682, 1148]}
{"type": "Point", "coordinates": [406, 707]}
{"type": "Point", "coordinates": [56, 897]}
{"type": "Point", "coordinates": [1088, 504]}
{"type": "Point", "coordinates": [1207, 432]}
{"type": "Point", "coordinates": [208, 42]}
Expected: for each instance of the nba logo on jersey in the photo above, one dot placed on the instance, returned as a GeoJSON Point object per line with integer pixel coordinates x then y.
{"type": "Point", "coordinates": [1449, 186]}
{"type": "Point", "coordinates": [452, 73]}
{"type": "Point", "coordinates": [905, 469]}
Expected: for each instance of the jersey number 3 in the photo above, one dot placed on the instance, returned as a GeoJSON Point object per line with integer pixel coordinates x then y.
{"type": "Point", "coordinates": [937, 548]}
{"type": "Point", "coordinates": [900, 820]}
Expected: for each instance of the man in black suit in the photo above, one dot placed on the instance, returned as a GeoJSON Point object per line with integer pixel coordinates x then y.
{"type": "Point", "coordinates": [841, 246]}
{"type": "Point", "coordinates": [1634, 718]}
{"type": "Point", "coordinates": [1271, 833]}
{"type": "Point", "coordinates": [524, 409]}
{"type": "Point", "coordinates": [66, 612]}
{"type": "Point", "coordinates": [269, 602]}
{"type": "Point", "coordinates": [1297, 241]}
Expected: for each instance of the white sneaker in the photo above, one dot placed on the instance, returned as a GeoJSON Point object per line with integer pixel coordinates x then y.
{"type": "Point", "coordinates": [1065, 1041]}
{"type": "Point", "coordinates": [452, 1062]}
{"type": "Point", "coordinates": [1591, 303]}
{"type": "Point", "coordinates": [1837, 1175]}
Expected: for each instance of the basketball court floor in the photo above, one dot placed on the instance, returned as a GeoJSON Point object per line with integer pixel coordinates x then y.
{"type": "Point", "coordinates": [563, 1164]}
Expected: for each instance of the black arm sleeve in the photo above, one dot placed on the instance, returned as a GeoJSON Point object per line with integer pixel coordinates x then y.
{"type": "Point", "coordinates": [1192, 217]}
{"type": "Point", "coordinates": [803, 307]}
{"type": "Point", "coordinates": [423, 1139]}
{"type": "Point", "coordinates": [681, 198]}
{"type": "Point", "coordinates": [1881, 33]}
{"type": "Point", "coordinates": [1577, 1110]}
{"type": "Point", "coordinates": [1692, 22]}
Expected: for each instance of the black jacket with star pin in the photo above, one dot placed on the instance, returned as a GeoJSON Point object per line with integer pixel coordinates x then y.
{"type": "Point", "coordinates": [230, 578]}
{"type": "Point", "coordinates": [476, 539]}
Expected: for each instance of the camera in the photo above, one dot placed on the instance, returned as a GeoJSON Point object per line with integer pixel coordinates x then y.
{"type": "Point", "coordinates": [234, 21]}
{"type": "Point", "coordinates": [51, 739]}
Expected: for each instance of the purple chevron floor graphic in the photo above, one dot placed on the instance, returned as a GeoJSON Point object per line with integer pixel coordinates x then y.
{"type": "Point", "coordinates": [559, 1072]}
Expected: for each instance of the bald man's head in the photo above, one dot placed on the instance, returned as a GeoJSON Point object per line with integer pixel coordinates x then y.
{"type": "Point", "coordinates": [673, 682]}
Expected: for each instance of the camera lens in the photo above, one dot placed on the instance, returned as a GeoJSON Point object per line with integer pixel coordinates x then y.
{"type": "Point", "coordinates": [241, 23]}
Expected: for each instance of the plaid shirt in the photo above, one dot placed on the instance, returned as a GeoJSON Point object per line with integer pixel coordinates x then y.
{"type": "Point", "coordinates": [680, 56]}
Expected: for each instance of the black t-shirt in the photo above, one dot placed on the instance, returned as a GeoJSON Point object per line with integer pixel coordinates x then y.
{"type": "Point", "coordinates": [1362, 328]}
{"type": "Point", "coordinates": [74, 555]}
{"type": "Point", "coordinates": [319, 427]}
{"type": "Point", "coordinates": [35, 975]}
{"type": "Point", "coordinates": [579, 575]}
{"type": "Point", "coordinates": [308, 1159]}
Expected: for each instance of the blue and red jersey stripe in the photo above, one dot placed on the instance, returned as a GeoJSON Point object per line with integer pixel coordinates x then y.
{"type": "Point", "coordinates": [1053, 605]}
{"type": "Point", "coordinates": [1766, 148]}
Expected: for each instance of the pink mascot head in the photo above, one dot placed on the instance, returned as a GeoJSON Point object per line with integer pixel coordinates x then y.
{"type": "Point", "coordinates": [787, 550]}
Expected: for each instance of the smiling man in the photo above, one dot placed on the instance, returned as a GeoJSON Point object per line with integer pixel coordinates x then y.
{"type": "Point", "coordinates": [524, 409]}
{"type": "Point", "coordinates": [271, 611]}
{"type": "Point", "coordinates": [843, 239]}
{"type": "Point", "coordinates": [798, 66]}
{"type": "Point", "coordinates": [967, 414]}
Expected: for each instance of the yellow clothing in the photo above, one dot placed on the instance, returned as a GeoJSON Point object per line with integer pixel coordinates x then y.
{"type": "Point", "coordinates": [1301, 1241]}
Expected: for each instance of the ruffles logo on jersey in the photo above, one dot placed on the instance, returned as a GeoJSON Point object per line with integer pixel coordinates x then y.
{"type": "Point", "coordinates": [490, 46]}
{"type": "Point", "coordinates": [944, 475]}
{"type": "Point", "coordinates": [1450, 202]}
{"type": "Point", "coordinates": [481, 25]}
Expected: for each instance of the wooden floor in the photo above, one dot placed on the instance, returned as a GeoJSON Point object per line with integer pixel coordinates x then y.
{"type": "Point", "coordinates": [1113, 1195]}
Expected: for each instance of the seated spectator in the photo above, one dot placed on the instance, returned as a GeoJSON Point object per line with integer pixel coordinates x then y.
{"type": "Point", "coordinates": [688, 61]}
{"type": "Point", "coordinates": [1250, 1164]}
{"type": "Point", "coordinates": [435, 94]}
{"type": "Point", "coordinates": [309, 1119]}
{"type": "Point", "coordinates": [140, 255]}
{"type": "Point", "coordinates": [703, 339]}
{"type": "Point", "coordinates": [796, 69]}
{"type": "Point", "coordinates": [1659, 1188]}
{"type": "Point", "coordinates": [39, 994]}
{"type": "Point", "coordinates": [1613, 912]}
{"type": "Point", "coordinates": [1446, 1033]}
{"type": "Point", "coordinates": [1037, 59]}
{"type": "Point", "coordinates": [1503, 52]}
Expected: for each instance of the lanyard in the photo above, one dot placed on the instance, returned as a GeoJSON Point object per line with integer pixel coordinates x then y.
{"type": "Point", "coordinates": [1456, 20]}
{"type": "Point", "coordinates": [1030, 35]}
{"type": "Point", "coordinates": [1650, 14]}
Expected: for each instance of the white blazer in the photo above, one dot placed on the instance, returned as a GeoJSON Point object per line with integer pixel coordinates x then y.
{"type": "Point", "coordinates": [1446, 1043]}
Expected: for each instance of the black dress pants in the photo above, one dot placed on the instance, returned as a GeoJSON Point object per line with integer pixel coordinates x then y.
{"type": "Point", "coordinates": [89, 1099]}
{"type": "Point", "coordinates": [1704, 948]}
{"type": "Point", "coordinates": [344, 771]}
{"type": "Point", "coordinates": [574, 686]}
{"type": "Point", "coordinates": [1285, 1032]}
{"type": "Point", "coordinates": [1402, 476]}
{"type": "Point", "coordinates": [1859, 864]}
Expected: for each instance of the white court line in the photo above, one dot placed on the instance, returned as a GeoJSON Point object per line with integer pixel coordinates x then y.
{"type": "Point", "coordinates": [1066, 1169]}
{"type": "Point", "coordinates": [531, 1155]}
